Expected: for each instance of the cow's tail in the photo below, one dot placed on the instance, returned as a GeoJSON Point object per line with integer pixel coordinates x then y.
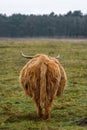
{"type": "Point", "coordinates": [43, 84]}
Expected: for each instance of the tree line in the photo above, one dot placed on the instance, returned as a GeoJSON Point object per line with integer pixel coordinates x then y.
{"type": "Point", "coordinates": [71, 24]}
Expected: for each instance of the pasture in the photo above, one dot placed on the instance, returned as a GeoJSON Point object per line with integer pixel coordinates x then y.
{"type": "Point", "coordinates": [17, 111]}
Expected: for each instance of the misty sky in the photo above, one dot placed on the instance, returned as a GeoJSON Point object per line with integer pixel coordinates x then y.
{"type": "Point", "coordinates": [10, 7]}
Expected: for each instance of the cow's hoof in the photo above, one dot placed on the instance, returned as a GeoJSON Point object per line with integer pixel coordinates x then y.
{"type": "Point", "coordinates": [47, 117]}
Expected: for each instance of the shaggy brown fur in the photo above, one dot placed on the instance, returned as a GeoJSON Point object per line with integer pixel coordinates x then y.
{"type": "Point", "coordinates": [43, 78]}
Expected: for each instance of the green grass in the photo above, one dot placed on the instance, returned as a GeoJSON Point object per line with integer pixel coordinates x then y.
{"type": "Point", "coordinates": [18, 112]}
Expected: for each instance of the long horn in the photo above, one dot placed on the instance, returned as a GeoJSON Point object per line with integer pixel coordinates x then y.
{"type": "Point", "coordinates": [58, 57]}
{"type": "Point", "coordinates": [25, 56]}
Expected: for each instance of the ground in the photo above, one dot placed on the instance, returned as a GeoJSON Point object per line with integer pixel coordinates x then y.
{"type": "Point", "coordinates": [17, 111]}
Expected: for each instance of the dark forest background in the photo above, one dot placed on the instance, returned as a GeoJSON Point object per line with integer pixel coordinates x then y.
{"type": "Point", "coordinates": [71, 24]}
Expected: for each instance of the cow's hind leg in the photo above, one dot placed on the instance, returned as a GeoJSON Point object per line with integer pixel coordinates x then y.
{"type": "Point", "coordinates": [47, 107]}
{"type": "Point", "coordinates": [39, 109]}
{"type": "Point", "coordinates": [47, 112]}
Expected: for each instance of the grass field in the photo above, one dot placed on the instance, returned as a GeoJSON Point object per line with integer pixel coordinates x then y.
{"type": "Point", "coordinates": [18, 112]}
